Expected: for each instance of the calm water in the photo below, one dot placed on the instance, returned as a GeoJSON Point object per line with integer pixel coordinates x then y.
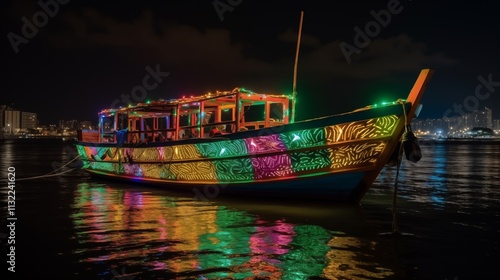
{"type": "Point", "coordinates": [75, 227]}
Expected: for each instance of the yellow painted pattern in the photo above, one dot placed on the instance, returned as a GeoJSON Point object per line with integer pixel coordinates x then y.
{"type": "Point", "coordinates": [356, 154]}
{"type": "Point", "coordinates": [366, 129]}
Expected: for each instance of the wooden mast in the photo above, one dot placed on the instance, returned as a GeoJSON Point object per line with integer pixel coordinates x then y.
{"type": "Point", "coordinates": [294, 93]}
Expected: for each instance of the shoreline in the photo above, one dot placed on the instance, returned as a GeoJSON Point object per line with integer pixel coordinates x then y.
{"type": "Point", "coordinates": [461, 141]}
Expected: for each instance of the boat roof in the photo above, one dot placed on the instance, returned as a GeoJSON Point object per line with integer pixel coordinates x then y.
{"type": "Point", "coordinates": [217, 98]}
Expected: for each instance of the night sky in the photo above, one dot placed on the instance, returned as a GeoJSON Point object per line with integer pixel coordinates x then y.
{"type": "Point", "coordinates": [86, 55]}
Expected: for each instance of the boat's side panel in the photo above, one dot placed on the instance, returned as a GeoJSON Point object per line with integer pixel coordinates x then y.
{"type": "Point", "coordinates": [317, 156]}
{"type": "Point", "coordinates": [291, 154]}
{"type": "Point", "coordinates": [334, 187]}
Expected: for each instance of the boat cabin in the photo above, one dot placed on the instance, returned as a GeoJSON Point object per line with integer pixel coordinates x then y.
{"type": "Point", "coordinates": [203, 116]}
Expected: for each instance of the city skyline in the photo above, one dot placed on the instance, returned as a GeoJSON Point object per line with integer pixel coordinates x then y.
{"type": "Point", "coordinates": [13, 120]}
{"type": "Point", "coordinates": [87, 56]}
{"type": "Point", "coordinates": [448, 125]}
{"type": "Point", "coordinates": [457, 126]}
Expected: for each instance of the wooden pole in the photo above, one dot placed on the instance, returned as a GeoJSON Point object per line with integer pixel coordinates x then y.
{"type": "Point", "coordinates": [294, 93]}
{"type": "Point", "coordinates": [238, 110]}
{"type": "Point", "coordinates": [417, 91]}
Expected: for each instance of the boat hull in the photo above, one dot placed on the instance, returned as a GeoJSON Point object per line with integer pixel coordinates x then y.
{"type": "Point", "coordinates": [342, 187]}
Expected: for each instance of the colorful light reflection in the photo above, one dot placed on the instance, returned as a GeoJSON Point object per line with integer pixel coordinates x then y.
{"type": "Point", "coordinates": [118, 228]}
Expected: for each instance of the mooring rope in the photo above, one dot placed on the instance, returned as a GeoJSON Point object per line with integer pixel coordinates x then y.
{"type": "Point", "coordinates": [395, 227]}
{"type": "Point", "coordinates": [75, 158]}
{"type": "Point", "coordinates": [46, 175]}
{"type": "Point", "coordinates": [50, 174]}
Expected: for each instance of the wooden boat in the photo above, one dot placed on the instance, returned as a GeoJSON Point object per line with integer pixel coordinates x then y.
{"type": "Point", "coordinates": [256, 148]}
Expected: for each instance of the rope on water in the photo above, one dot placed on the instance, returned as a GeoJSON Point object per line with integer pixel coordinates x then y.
{"type": "Point", "coordinates": [47, 175]}
{"type": "Point", "coordinates": [50, 174]}
{"type": "Point", "coordinates": [395, 227]}
{"type": "Point", "coordinates": [77, 157]}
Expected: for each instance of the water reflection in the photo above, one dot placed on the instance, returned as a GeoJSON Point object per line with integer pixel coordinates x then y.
{"type": "Point", "coordinates": [447, 175]}
{"type": "Point", "coordinates": [179, 237]}
{"type": "Point", "coordinates": [72, 229]}
{"type": "Point", "coordinates": [435, 174]}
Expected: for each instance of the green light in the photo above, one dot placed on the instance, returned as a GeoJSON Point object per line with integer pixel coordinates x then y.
{"type": "Point", "coordinates": [148, 101]}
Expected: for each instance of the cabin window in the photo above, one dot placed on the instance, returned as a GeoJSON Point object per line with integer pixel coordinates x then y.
{"type": "Point", "coordinates": [276, 112]}
{"type": "Point", "coordinates": [254, 113]}
{"type": "Point", "coordinates": [184, 120]}
{"type": "Point", "coordinates": [227, 115]}
{"type": "Point", "coordinates": [148, 124]}
{"type": "Point", "coordinates": [107, 124]}
{"type": "Point", "coordinates": [134, 124]}
{"type": "Point", "coordinates": [162, 123]}
{"type": "Point", "coordinates": [122, 121]}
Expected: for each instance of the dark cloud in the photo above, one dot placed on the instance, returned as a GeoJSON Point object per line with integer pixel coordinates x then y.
{"type": "Point", "coordinates": [212, 47]}
{"type": "Point", "coordinates": [176, 45]}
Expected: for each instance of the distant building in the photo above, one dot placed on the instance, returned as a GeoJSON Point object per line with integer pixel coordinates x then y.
{"type": "Point", "coordinates": [12, 120]}
{"type": "Point", "coordinates": [483, 118]}
{"type": "Point", "coordinates": [496, 124]}
{"type": "Point", "coordinates": [456, 126]}
{"type": "Point", "coordinates": [85, 125]}
{"type": "Point", "coordinates": [28, 120]}
{"type": "Point", "coordinates": [430, 126]}
{"type": "Point", "coordinates": [68, 124]}
{"type": "Point", "coordinates": [2, 110]}
{"type": "Point", "coordinates": [15, 121]}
